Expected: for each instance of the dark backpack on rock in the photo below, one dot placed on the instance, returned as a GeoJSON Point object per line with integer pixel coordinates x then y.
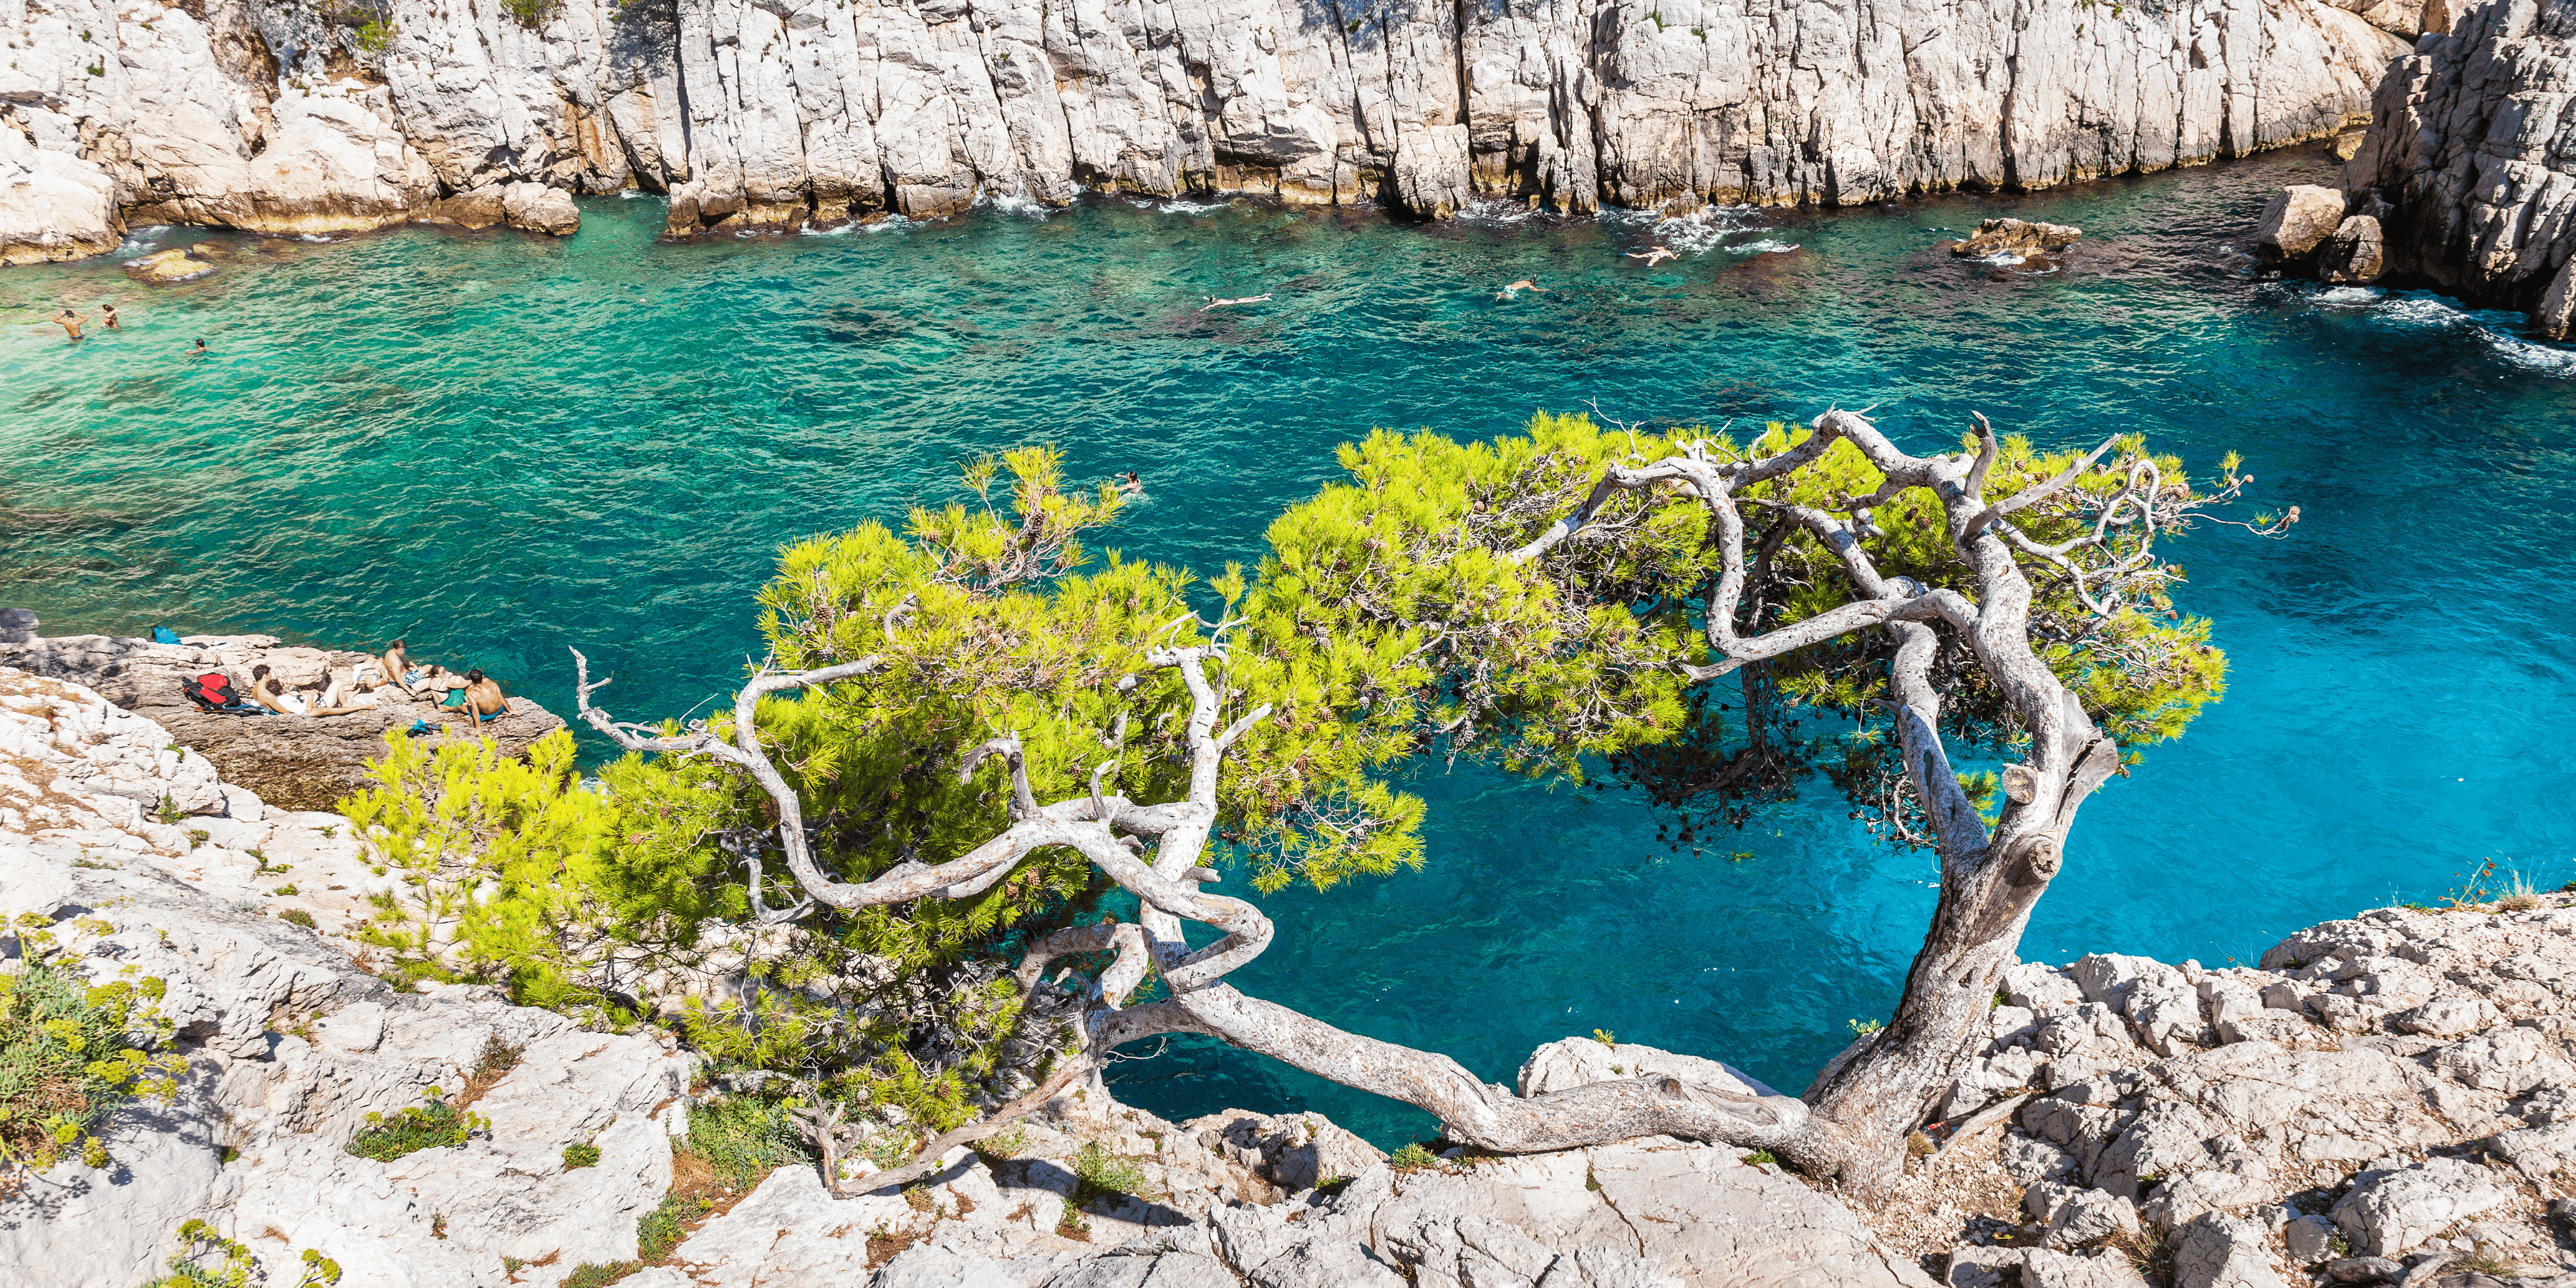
{"type": "Point", "coordinates": [212, 691]}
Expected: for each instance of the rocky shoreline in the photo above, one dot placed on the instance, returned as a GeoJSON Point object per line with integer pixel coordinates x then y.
{"type": "Point", "coordinates": [2390, 1098]}
{"type": "Point", "coordinates": [295, 118]}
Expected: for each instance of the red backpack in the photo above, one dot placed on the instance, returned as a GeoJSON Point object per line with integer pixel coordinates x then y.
{"type": "Point", "coordinates": [211, 691]}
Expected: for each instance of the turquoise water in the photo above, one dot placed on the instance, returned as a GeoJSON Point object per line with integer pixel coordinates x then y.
{"type": "Point", "coordinates": [502, 445]}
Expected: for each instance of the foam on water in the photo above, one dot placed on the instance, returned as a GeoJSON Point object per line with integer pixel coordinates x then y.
{"type": "Point", "coordinates": [650, 421]}
{"type": "Point", "coordinates": [1766, 246]}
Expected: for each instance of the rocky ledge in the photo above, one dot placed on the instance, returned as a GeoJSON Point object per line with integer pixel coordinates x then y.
{"type": "Point", "coordinates": [292, 762]}
{"type": "Point", "coordinates": [2390, 1098]}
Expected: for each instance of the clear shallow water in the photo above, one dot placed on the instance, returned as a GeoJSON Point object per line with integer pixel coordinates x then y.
{"type": "Point", "coordinates": [503, 445]}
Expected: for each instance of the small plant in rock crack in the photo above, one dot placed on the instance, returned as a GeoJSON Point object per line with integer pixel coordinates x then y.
{"type": "Point", "coordinates": [580, 1154]}
{"type": "Point", "coordinates": [1866, 1027]}
{"type": "Point", "coordinates": [431, 1126]}
{"type": "Point", "coordinates": [1606, 1038]}
{"type": "Point", "coordinates": [206, 1259]}
{"type": "Point", "coordinates": [1100, 1174]}
{"type": "Point", "coordinates": [1413, 1158]}
{"type": "Point", "coordinates": [167, 811]}
{"type": "Point", "coordinates": [299, 917]}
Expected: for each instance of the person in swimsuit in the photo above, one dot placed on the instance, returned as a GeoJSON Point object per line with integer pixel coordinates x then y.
{"type": "Point", "coordinates": [69, 322]}
{"type": "Point", "coordinates": [108, 315]}
{"type": "Point", "coordinates": [1513, 291]}
{"type": "Point", "coordinates": [396, 668]}
{"type": "Point", "coordinates": [1655, 256]}
{"type": "Point", "coordinates": [1215, 303]}
{"type": "Point", "coordinates": [481, 698]}
{"type": "Point", "coordinates": [272, 694]}
{"type": "Point", "coordinates": [1130, 485]}
{"type": "Point", "coordinates": [200, 350]}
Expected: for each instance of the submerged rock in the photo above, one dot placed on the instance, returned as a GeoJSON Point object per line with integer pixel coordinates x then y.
{"type": "Point", "coordinates": [2017, 237]}
{"type": "Point", "coordinates": [164, 268]}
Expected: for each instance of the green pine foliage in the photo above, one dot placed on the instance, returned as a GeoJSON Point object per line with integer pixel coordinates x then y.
{"type": "Point", "coordinates": [1386, 622]}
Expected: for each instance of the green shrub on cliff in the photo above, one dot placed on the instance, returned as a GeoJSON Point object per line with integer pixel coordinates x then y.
{"type": "Point", "coordinates": [69, 1054]}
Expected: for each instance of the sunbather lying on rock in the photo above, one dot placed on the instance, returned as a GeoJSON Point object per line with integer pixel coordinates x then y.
{"type": "Point", "coordinates": [273, 694]}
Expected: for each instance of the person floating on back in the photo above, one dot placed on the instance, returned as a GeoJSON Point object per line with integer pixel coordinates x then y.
{"type": "Point", "coordinates": [69, 322]}
{"type": "Point", "coordinates": [1215, 303]}
{"type": "Point", "coordinates": [1655, 256]}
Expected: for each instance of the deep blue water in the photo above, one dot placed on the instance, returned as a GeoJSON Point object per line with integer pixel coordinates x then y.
{"type": "Point", "coordinates": [501, 445]}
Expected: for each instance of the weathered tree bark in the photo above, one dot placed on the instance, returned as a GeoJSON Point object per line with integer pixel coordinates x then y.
{"type": "Point", "coordinates": [1852, 1124]}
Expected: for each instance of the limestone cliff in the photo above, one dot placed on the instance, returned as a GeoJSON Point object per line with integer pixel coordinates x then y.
{"type": "Point", "coordinates": [281, 117]}
{"type": "Point", "coordinates": [2472, 146]}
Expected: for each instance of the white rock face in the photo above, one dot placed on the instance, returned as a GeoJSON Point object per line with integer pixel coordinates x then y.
{"type": "Point", "coordinates": [2473, 148]}
{"type": "Point", "coordinates": [289, 1046]}
{"type": "Point", "coordinates": [775, 113]}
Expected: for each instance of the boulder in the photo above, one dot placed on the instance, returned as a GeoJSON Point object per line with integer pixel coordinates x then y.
{"type": "Point", "coordinates": [2086, 1217]}
{"type": "Point", "coordinates": [475, 208]}
{"type": "Point", "coordinates": [2310, 1239]}
{"type": "Point", "coordinates": [17, 626]}
{"type": "Point", "coordinates": [2216, 1252]}
{"type": "Point", "coordinates": [2546, 1156]}
{"type": "Point", "coordinates": [1294, 1152]}
{"type": "Point", "coordinates": [2393, 1210]}
{"type": "Point", "coordinates": [2019, 238]}
{"type": "Point", "coordinates": [2357, 252]}
{"type": "Point", "coordinates": [2042, 1268]}
{"type": "Point", "coordinates": [2299, 217]}
{"type": "Point", "coordinates": [168, 267]}
{"type": "Point", "coordinates": [536, 208]}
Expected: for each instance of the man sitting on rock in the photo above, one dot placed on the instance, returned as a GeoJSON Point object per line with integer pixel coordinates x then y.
{"type": "Point", "coordinates": [481, 698]}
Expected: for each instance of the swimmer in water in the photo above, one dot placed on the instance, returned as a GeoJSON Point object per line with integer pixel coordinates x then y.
{"type": "Point", "coordinates": [1656, 256]}
{"type": "Point", "coordinates": [1215, 303]}
{"type": "Point", "coordinates": [1130, 485]}
{"type": "Point", "coordinates": [199, 351]}
{"type": "Point", "coordinates": [110, 315]}
{"type": "Point", "coordinates": [69, 322]}
{"type": "Point", "coordinates": [1513, 290]}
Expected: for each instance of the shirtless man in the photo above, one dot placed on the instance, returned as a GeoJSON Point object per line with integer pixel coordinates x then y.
{"type": "Point", "coordinates": [1516, 288]}
{"type": "Point", "coordinates": [1215, 303]}
{"type": "Point", "coordinates": [396, 668]}
{"type": "Point", "coordinates": [1655, 256]}
{"type": "Point", "coordinates": [69, 322]}
{"type": "Point", "coordinates": [481, 698]}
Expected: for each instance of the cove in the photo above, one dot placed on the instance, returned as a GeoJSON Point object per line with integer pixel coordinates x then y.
{"type": "Point", "coordinates": [501, 446]}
